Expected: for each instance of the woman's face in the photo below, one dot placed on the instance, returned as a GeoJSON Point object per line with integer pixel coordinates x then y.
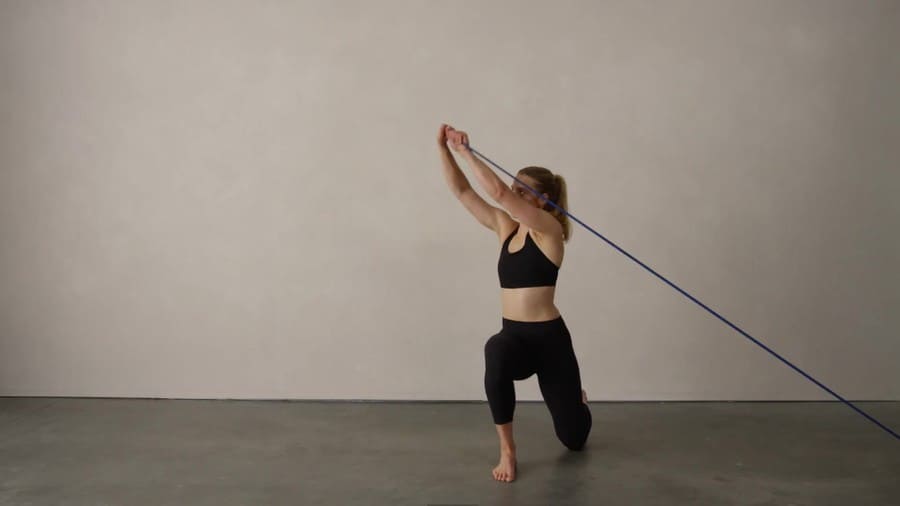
{"type": "Point", "coordinates": [524, 192]}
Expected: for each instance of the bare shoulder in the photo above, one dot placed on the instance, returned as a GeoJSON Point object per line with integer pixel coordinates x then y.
{"type": "Point", "coordinates": [552, 245]}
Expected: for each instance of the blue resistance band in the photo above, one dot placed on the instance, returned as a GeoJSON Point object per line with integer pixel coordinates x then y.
{"type": "Point", "coordinates": [748, 336]}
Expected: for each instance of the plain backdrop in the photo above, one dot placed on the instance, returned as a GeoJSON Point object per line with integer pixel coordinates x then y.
{"type": "Point", "coordinates": [229, 199]}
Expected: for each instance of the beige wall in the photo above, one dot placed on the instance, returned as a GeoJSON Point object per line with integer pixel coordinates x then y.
{"type": "Point", "coordinates": [243, 199]}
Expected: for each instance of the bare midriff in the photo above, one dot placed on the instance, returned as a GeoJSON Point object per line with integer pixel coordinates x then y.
{"type": "Point", "coordinates": [531, 304]}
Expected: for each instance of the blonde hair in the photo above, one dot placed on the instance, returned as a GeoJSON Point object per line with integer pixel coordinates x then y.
{"type": "Point", "coordinates": [554, 185]}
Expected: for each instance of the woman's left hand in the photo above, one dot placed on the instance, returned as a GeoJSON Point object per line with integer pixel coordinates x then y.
{"type": "Point", "coordinates": [458, 139]}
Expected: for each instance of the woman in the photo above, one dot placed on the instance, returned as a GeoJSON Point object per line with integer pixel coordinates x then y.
{"type": "Point", "coordinates": [534, 339]}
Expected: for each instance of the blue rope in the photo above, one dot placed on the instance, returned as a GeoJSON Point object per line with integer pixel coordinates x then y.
{"type": "Point", "coordinates": [748, 336]}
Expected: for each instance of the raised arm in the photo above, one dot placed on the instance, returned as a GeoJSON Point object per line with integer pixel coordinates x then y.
{"type": "Point", "coordinates": [521, 209]}
{"type": "Point", "coordinates": [486, 214]}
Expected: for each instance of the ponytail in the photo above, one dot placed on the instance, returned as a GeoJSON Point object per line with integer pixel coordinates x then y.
{"type": "Point", "coordinates": [562, 201]}
{"type": "Point", "coordinates": [554, 186]}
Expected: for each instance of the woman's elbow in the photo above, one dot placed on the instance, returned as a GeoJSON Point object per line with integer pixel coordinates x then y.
{"type": "Point", "coordinates": [500, 194]}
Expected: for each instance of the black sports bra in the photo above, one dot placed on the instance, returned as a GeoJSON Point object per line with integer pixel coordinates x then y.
{"type": "Point", "coordinates": [527, 267]}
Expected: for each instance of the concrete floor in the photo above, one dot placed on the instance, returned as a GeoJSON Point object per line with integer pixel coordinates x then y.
{"type": "Point", "coordinates": [161, 452]}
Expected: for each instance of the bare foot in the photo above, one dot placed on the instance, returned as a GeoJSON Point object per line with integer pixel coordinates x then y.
{"type": "Point", "coordinates": [506, 469]}
{"type": "Point", "coordinates": [584, 396]}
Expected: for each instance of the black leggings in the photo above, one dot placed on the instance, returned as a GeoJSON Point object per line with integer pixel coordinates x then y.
{"type": "Point", "coordinates": [521, 349]}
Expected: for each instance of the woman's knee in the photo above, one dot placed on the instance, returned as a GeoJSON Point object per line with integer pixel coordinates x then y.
{"type": "Point", "coordinates": [576, 446]}
{"type": "Point", "coordinates": [574, 439]}
{"type": "Point", "coordinates": [495, 348]}
{"type": "Point", "coordinates": [506, 358]}
{"type": "Point", "coordinates": [572, 424]}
